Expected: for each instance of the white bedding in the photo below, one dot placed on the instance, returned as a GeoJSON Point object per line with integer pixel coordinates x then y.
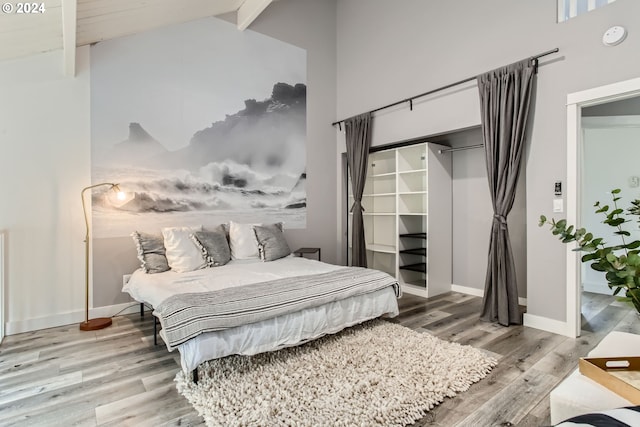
{"type": "Point", "coordinates": [268, 335]}
{"type": "Point", "coordinates": [288, 330]}
{"type": "Point", "coordinates": [155, 288]}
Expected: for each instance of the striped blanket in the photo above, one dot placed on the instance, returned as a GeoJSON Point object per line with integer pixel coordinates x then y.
{"type": "Point", "coordinates": [185, 316]}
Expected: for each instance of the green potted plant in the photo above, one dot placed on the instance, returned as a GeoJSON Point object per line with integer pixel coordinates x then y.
{"type": "Point", "coordinates": [620, 263]}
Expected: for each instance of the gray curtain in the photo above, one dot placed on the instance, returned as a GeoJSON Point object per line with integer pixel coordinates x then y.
{"type": "Point", "coordinates": [358, 136]}
{"type": "Point", "coordinates": [505, 96]}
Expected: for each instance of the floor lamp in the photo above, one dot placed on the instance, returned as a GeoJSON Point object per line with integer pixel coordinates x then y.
{"type": "Point", "coordinates": [100, 322]}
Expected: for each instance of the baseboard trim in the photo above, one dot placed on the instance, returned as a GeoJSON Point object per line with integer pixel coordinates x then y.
{"type": "Point", "coordinates": [596, 288]}
{"type": "Point", "coordinates": [467, 290]}
{"type": "Point", "coordinates": [546, 324]}
{"type": "Point", "coordinates": [69, 318]}
{"type": "Point", "coordinates": [478, 292]}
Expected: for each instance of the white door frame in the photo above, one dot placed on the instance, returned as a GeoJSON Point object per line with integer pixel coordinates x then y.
{"type": "Point", "coordinates": [575, 102]}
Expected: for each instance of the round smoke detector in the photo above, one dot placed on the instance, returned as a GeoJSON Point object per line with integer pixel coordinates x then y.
{"type": "Point", "coordinates": [614, 35]}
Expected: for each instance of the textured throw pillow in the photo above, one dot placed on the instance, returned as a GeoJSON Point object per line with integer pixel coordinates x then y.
{"type": "Point", "coordinates": [213, 246]}
{"type": "Point", "coordinates": [182, 254]}
{"type": "Point", "coordinates": [271, 242]}
{"type": "Point", "coordinates": [242, 241]}
{"type": "Point", "coordinates": [151, 252]}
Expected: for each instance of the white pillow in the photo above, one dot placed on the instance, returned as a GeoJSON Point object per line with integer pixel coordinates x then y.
{"type": "Point", "coordinates": [242, 241]}
{"type": "Point", "coordinates": [182, 254]}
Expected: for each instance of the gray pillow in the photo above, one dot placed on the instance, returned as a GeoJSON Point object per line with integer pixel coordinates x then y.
{"type": "Point", "coordinates": [213, 245]}
{"type": "Point", "coordinates": [151, 252]}
{"type": "Point", "coordinates": [271, 242]}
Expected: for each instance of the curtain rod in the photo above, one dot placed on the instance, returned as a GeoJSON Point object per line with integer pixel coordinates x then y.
{"type": "Point", "coordinates": [468, 147]}
{"type": "Point", "coordinates": [410, 100]}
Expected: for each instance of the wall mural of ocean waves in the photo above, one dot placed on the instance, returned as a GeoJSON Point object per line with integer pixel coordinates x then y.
{"type": "Point", "coordinates": [199, 135]}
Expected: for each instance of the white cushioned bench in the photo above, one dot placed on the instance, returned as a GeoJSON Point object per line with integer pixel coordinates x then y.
{"type": "Point", "coordinates": [578, 394]}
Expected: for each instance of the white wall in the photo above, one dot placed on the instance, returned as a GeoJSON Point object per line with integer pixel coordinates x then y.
{"type": "Point", "coordinates": [44, 135]}
{"type": "Point", "coordinates": [387, 53]}
{"type": "Point", "coordinates": [45, 161]}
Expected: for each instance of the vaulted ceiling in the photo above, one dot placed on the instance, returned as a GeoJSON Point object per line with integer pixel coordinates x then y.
{"type": "Point", "coordinates": [66, 24]}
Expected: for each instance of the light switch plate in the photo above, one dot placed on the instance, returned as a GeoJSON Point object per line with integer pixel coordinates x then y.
{"type": "Point", "coordinates": [558, 205]}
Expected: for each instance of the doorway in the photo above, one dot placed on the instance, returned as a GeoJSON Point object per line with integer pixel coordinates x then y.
{"type": "Point", "coordinates": [581, 105]}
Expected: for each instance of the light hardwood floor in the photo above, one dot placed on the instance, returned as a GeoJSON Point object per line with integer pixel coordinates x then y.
{"type": "Point", "coordinates": [117, 377]}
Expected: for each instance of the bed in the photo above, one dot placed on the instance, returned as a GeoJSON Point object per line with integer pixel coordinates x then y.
{"type": "Point", "coordinates": [284, 281]}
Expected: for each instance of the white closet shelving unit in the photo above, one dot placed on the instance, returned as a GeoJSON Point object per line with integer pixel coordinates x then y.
{"type": "Point", "coordinates": [407, 217]}
{"type": "Point", "coordinates": [379, 216]}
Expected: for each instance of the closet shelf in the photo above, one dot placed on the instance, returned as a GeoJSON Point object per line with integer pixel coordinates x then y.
{"type": "Point", "coordinates": [412, 171]}
{"type": "Point", "coordinates": [389, 249]}
{"type": "Point", "coordinates": [378, 194]}
{"type": "Point", "coordinates": [418, 284]}
{"type": "Point", "coordinates": [416, 251]}
{"type": "Point", "coordinates": [415, 235]}
{"type": "Point", "coordinates": [420, 267]}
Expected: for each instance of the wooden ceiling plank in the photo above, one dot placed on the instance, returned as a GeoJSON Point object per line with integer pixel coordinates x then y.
{"type": "Point", "coordinates": [69, 23]}
{"type": "Point", "coordinates": [249, 11]}
{"type": "Point", "coordinates": [96, 20]}
{"type": "Point", "coordinates": [130, 18]}
{"type": "Point", "coordinates": [23, 35]}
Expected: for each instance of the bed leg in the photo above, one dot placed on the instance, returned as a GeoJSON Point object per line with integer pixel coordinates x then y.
{"type": "Point", "coordinates": [195, 376]}
{"type": "Point", "coordinates": [155, 330]}
{"type": "Point", "coordinates": [141, 310]}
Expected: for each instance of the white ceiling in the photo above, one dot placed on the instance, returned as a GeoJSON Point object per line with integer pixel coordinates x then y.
{"type": "Point", "coordinates": [65, 24]}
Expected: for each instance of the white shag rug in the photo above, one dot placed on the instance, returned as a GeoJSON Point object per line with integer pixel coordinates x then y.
{"type": "Point", "coordinates": [375, 374]}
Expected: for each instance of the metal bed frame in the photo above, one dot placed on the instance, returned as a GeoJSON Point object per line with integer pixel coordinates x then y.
{"type": "Point", "coordinates": [194, 373]}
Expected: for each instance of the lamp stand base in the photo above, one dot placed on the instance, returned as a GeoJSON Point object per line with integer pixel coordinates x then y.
{"type": "Point", "coordinates": [94, 324]}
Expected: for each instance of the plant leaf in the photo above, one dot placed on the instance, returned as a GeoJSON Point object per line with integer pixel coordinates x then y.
{"type": "Point", "coordinates": [614, 222]}
{"type": "Point", "coordinates": [543, 221]}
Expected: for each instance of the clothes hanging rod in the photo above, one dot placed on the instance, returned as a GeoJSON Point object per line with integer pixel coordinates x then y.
{"type": "Point", "coordinates": [410, 100]}
{"type": "Point", "coordinates": [468, 147]}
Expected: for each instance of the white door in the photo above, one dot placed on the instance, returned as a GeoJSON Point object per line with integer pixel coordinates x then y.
{"type": "Point", "coordinates": [611, 149]}
{"type": "Point", "coordinates": [575, 103]}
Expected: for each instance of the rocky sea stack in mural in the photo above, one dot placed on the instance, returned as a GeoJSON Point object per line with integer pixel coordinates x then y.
{"type": "Point", "coordinates": [254, 159]}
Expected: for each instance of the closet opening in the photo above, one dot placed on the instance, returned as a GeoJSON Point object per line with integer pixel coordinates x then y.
{"type": "Point", "coordinates": [414, 237]}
